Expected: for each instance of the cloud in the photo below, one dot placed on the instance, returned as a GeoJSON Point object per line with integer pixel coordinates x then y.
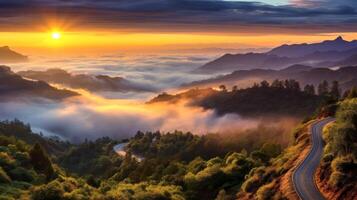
{"type": "Point", "coordinates": [158, 72]}
{"type": "Point", "coordinates": [92, 117]}
{"type": "Point", "coordinates": [184, 15]}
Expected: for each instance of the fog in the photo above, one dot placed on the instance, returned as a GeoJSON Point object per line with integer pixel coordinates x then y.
{"type": "Point", "coordinates": [121, 115]}
{"type": "Point", "coordinates": [91, 117]}
{"type": "Point", "coordinates": [157, 72]}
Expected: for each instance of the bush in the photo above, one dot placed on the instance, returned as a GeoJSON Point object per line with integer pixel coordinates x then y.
{"type": "Point", "coordinates": [51, 191]}
{"type": "Point", "coordinates": [4, 178]}
{"type": "Point", "coordinates": [337, 179]}
{"type": "Point", "coordinates": [22, 174]}
{"type": "Point", "coordinates": [266, 191]}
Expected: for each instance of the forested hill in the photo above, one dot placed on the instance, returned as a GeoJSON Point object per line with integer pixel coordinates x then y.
{"type": "Point", "coordinates": [264, 99]}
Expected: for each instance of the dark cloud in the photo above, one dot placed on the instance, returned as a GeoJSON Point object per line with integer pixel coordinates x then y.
{"type": "Point", "coordinates": [182, 15]}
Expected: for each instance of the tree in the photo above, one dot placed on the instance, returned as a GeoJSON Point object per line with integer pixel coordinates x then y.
{"type": "Point", "coordinates": [277, 84]}
{"type": "Point", "coordinates": [41, 162]}
{"type": "Point", "coordinates": [309, 89]}
{"type": "Point", "coordinates": [264, 84]}
{"type": "Point", "coordinates": [352, 93]}
{"type": "Point", "coordinates": [335, 91]}
{"type": "Point", "coordinates": [292, 84]}
{"type": "Point", "coordinates": [322, 89]}
{"type": "Point", "coordinates": [234, 88]}
{"type": "Point", "coordinates": [223, 88]}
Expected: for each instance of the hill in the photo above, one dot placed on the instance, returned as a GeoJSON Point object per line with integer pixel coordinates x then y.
{"type": "Point", "coordinates": [14, 86]}
{"type": "Point", "coordinates": [9, 56]}
{"type": "Point", "coordinates": [85, 81]}
{"type": "Point", "coordinates": [280, 98]}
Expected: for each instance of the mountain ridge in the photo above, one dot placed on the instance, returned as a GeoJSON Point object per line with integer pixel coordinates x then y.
{"type": "Point", "coordinates": [329, 53]}
{"type": "Point", "coordinates": [9, 56]}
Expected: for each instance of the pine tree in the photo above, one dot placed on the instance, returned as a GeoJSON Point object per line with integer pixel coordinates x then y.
{"type": "Point", "coordinates": [41, 162]}
{"type": "Point", "coordinates": [353, 93]}
{"type": "Point", "coordinates": [309, 89]}
{"type": "Point", "coordinates": [335, 91]}
{"type": "Point", "coordinates": [322, 89]}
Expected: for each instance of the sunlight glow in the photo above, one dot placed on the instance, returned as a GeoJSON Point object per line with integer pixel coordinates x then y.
{"type": "Point", "coordinates": [56, 35]}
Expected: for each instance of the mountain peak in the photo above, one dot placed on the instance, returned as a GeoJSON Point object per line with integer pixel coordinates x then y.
{"type": "Point", "coordinates": [339, 38]}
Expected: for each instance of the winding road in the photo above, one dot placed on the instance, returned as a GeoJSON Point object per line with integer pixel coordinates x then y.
{"type": "Point", "coordinates": [303, 177]}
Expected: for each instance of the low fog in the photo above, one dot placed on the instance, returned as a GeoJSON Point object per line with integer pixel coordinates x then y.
{"type": "Point", "coordinates": [90, 117]}
{"type": "Point", "coordinates": [121, 115]}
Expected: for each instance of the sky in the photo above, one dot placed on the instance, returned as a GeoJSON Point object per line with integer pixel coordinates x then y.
{"type": "Point", "coordinates": [157, 25]}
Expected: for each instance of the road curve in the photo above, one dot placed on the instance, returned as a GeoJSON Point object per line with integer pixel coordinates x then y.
{"type": "Point", "coordinates": [303, 176]}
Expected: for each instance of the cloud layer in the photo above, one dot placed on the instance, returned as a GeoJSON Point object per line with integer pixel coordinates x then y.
{"type": "Point", "coordinates": [92, 117]}
{"type": "Point", "coordinates": [183, 15]}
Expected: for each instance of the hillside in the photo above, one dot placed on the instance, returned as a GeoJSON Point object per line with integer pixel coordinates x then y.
{"type": "Point", "coordinates": [280, 98]}
{"type": "Point", "coordinates": [9, 56]}
{"type": "Point", "coordinates": [13, 86]}
{"type": "Point", "coordinates": [177, 165]}
{"type": "Point", "coordinates": [336, 176]}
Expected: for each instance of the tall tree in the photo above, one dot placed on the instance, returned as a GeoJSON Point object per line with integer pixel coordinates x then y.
{"type": "Point", "coordinates": [41, 162]}
{"type": "Point", "coordinates": [335, 91]}
{"type": "Point", "coordinates": [223, 88]}
{"type": "Point", "coordinates": [309, 89]}
{"type": "Point", "coordinates": [323, 88]}
{"type": "Point", "coordinates": [264, 84]}
{"type": "Point", "coordinates": [277, 84]}
{"type": "Point", "coordinates": [352, 93]}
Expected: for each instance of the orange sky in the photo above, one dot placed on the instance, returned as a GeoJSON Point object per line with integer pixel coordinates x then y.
{"type": "Point", "coordinates": [81, 43]}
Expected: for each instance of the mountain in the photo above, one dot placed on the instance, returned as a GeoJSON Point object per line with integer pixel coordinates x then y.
{"type": "Point", "coordinates": [9, 56]}
{"type": "Point", "coordinates": [84, 81]}
{"type": "Point", "coordinates": [328, 53]}
{"type": "Point", "coordinates": [300, 50]}
{"type": "Point", "coordinates": [230, 62]}
{"type": "Point", "coordinates": [303, 74]}
{"type": "Point", "coordinates": [13, 86]}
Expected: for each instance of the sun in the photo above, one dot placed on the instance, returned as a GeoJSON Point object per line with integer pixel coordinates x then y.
{"type": "Point", "coordinates": [56, 35]}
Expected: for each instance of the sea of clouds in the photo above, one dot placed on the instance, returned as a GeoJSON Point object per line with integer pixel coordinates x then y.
{"type": "Point", "coordinates": [121, 115]}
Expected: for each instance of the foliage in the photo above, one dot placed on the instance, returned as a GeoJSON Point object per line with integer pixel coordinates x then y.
{"type": "Point", "coordinates": [92, 158]}
{"type": "Point", "coordinates": [340, 153]}
{"type": "Point", "coordinates": [279, 98]}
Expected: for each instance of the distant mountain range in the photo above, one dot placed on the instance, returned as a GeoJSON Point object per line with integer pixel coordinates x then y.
{"type": "Point", "coordinates": [84, 81]}
{"type": "Point", "coordinates": [13, 86]}
{"type": "Point", "coordinates": [347, 76]}
{"type": "Point", "coordinates": [9, 56]}
{"type": "Point", "coordinates": [330, 53]}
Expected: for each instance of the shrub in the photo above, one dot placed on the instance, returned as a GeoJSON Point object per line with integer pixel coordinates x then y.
{"type": "Point", "coordinates": [337, 179]}
{"type": "Point", "coordinates": [4, 178]}
{"type": "Point", "coordinates": [51, 191]}
{"type": "Point", "coordinates": [22, 174]}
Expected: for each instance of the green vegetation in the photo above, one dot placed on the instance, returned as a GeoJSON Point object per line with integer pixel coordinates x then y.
{"type": "Point", "coordinates": [91, 158]}
{"type": "Point", "coordinates": [339, 164]}
{"type": "Point", "coordinates": [277, 98]}
{"type": "Point", "coordinates": [180, 165]}
{"type": "Point", "coordinates": [267, 182]}
{"type": "Point", "coordinates": [176, 166]}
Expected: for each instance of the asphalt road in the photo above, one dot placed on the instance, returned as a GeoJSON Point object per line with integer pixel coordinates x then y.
{"type": "Point", "coordinates": [303, 177]}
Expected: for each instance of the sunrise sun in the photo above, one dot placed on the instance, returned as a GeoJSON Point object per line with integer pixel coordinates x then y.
{"type": "Point", "coordinates": [56, 35]}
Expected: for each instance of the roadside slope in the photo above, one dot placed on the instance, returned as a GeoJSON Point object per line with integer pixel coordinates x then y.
{"type": "Point", "coordinates": [274, 181]}
{"type": "Point", "coordinates": [303, 176]}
